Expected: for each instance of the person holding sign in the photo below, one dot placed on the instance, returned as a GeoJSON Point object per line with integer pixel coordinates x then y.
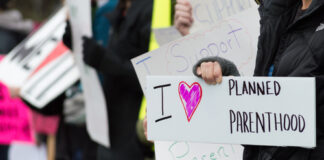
{"type": "Point", "coordinates": [290, 45]}
{"type": "Point", "coordinates": [130, 34]}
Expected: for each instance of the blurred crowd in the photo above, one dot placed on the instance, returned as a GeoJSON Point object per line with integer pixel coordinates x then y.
{"type": "Point", "coordinates": [121, 31]}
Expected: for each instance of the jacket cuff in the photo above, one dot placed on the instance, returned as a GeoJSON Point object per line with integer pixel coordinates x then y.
{"type": "Point", "coordinates": [228, 67]}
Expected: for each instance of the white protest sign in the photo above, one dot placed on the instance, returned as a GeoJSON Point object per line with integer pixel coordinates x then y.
{"type": "Point", "coordinates": [196, 151]}
{"type": "Point", "coordinates": [205, 14]}
{"type": "Point", "coordinates": [241, 110]}
{"type": "Point", "coordinates": [96, 111]}
{"type": "Point", "coordinates": [51, 81]}
{"type": "Point", "coordinates": [41, 65]}
{"type": "Point", "coordinates": [209, 12]}
{"type": "Point", "coordinates": [17, 66]}
{"type": "Point", "coordinates": [234, 38]}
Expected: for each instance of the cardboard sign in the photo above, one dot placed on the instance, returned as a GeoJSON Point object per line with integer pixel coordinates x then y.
{"type": "Point", "coordinates": [196, 151]}
{"type": "Point", "coordinates": [234, 38]}
{"type": "Point", "coordinates": [247, 110]}
{"type": "Point", "coordinates": [96, 110]}
{"type": "Point", "coordinates": [14, 119]}
{"type": "Point", "coordinates": [209, 12]}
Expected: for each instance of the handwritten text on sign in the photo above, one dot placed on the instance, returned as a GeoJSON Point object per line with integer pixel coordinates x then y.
{"type": "Point", "coordinates": [210, 12]}
{"type": "Point", "coordinates": [234, 38]}
{"type": "Point", "coordinates": [196, 151]}
{"type": "Point", "coordinates": [257, 111]}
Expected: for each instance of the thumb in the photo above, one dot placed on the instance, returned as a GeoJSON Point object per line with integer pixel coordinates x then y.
{"type": "Point", "coordinates": [199, 71]}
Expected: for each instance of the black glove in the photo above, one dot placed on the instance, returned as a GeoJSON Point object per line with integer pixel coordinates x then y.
{"type": "Point", "coordinates": [228, 67]}
{"type": "Point", "coordinates": [93, 53]}
{"type": "Point", "coordinates": [67, 37]}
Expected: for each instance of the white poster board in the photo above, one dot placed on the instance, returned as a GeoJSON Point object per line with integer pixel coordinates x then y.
{"type": "Point", "coordinates": [235, 39]}
{"type": "Point", "coordinates": [197, 151]}
{"type": "Point", "coordinates": [268, 111]}
{"type": "Point", "coordinates": [41, 66]}
{"type": "Point", "coordinates": [166, 35]}
{"type": "Point", "coordinates": [205, 13]}
{"type": "Point", "coordinates": [209, 12]}
{"type": "Point", "coordinates": [96, 111]}
{"type": "Point", "coordinates": [17, 66]}
{"type": "Point", "coordinates": [51, 81]}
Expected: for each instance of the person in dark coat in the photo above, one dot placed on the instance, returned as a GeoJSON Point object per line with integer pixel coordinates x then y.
{"type": "Point", "coordinates": [290, 45]}
{"type": "Point", "coordinates": [130, 34]}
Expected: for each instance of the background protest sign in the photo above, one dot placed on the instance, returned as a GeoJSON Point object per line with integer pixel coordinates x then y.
{"type": "Point", "coordinates": [209, 12]}
{"type": "Point", "coordinates": [54, 76]}
{"type": "Point", "coordinates": [21, 62]}
{"type": "Point", "coordinates": [41, 65]}
{"type": "Point", "coordinates": [166, 35]}
{"type": "Point", "coordinates": [15, 119]}
{"type": "Point", "coordinates": [241, 110]}
{"type": "Point", "coordinates": [205, 13]}
{"type": "Point", "coordinates": [96, 111]}
{"type": "Point", "coordinates": [196, 151]}
{"type": "Point", "coordinates": [234, 38]}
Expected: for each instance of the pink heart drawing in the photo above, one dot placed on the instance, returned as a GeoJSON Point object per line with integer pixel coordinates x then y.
{"type": "Point", "coordinates": [190, 97]}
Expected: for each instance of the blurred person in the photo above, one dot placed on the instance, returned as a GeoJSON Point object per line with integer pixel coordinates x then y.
{"type": "Point", "coordinates": [131, 23]}
{"type": "Point", "coordinates": [130, 33]}
{"type": "Point", "coordinates": [162, 16]}
{"type": "Point", "coordinates": [73, 141]}
{"type": "Point", "coordinates": [101, 24]}
{"type": "Point", "coordinates": [290, 45]}
{"type": "Point", "coordinates": [70, 146]}
{"type": "Point", "coordinates": [13, 28]}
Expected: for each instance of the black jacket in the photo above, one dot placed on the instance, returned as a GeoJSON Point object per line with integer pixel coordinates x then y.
{"type": "Point", "coordinates": [129, 38]}
{"type": "Point", "coordinates": [295, 48]}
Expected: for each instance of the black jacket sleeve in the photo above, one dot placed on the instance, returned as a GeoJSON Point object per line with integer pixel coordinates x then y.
{"type": "Point", "coordinates": [110, 61]}
{"type": "Point", "coordinates": [228, 67]}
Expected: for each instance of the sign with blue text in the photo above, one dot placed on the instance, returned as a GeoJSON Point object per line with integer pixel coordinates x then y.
{"type": "Point", "coordinates": [209, 12]}
{"type": "Point", "coordinates": [234, 38]}
{"type": "Point", "coordinates": [241, 110]}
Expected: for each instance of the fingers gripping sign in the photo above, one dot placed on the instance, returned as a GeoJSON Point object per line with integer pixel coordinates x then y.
{"type": "Point", "coordinates": [211, 72]}
{"type": "Point", "coordinates": [183, 18]}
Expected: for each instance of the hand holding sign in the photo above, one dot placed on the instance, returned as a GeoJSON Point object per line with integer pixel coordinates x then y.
{"type": "Point", "coordinates": [211, 72]}
{"type": "Point", "coordinates": [92, 52]}
{"type": "Point", "coordinates": [183, 19]}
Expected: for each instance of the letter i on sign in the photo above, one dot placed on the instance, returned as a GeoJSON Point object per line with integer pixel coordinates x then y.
{"type": "Point", "coordinates": [163, 117]}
